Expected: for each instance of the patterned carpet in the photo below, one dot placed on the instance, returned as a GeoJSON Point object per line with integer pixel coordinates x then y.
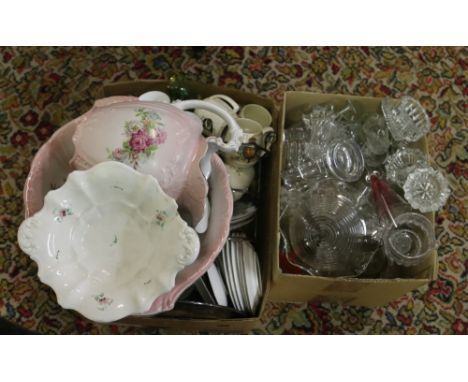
{"type": "Point", "coordinates": [41, 88]}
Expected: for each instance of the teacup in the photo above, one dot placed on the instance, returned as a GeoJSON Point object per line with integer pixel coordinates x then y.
{"type": "Point", "coordinates": [257, 113]}
{"type": "Point", "coordinates": [213, 124]}
{"type": "Point", "coordinates": [254, 142]}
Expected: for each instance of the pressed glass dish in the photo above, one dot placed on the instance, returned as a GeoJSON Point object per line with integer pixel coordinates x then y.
{"type": "Point", "coordinates": [344, 160]}
{"type": "Point", "coordinates": [426, 189]}
{"type": "Point", "coordinates": [406, 119]}
{"type": "Point", "coordinates": [327, 232]}
{"type": "Point", "coordinates": [404, 161]}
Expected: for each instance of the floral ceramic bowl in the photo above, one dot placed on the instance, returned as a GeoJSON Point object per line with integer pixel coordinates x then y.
{"type": "Point", "coordinates": [50, 169]}
{"type": "Point", "coordinates": [109, 242]}
{"type": "Point", "coordinates": [154, 138]}
{"type": "Point", "coordinates": [50, 166]}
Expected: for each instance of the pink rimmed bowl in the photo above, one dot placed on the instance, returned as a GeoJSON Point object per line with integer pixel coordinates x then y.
{"type": "Point", "coordinates": [155, 138]}
{"type": "Point", "coordinates": [50, 168]}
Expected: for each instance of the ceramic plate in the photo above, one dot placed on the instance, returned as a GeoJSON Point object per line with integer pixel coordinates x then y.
{"type": "Point", "coordinates": [108, 242]}
{"type": "Point", "coordinates": [201, 310]}
{"type": "Point", "coordinates": [217, 284]}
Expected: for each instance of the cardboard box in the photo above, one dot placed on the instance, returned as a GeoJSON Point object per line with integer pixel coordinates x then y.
{"type": "Point", "coordinates": [364, 292]}
{"type": "Point", "coordinates": [279, 286]}
{"type": "Point", "coordinates": [267, 221]}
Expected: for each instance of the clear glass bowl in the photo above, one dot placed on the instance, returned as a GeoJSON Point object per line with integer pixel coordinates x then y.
{"type": "Point", "coordinates": [411, 241]}
{"type": "Point", "coordinates": [406, 119]}
{"type": "Point", "coordinates": [327, 233]}
{"type": "Point", "coordinates": [404, 161]}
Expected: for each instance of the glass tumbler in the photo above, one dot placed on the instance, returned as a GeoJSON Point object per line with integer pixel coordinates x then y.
{"type": "Point", "coordinates": [410, 241]}
{"type": "Point", "coordinates": [301, 160]}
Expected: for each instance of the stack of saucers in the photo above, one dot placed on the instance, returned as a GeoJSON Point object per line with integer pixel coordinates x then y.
{"type": "Point", "coordinates": [241, 270]}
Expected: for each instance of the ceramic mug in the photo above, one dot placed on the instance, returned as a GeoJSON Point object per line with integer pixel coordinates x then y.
{"type": "Point", "coordinates": [213, 124]}
{"type": "Point", "coordinates": [257, 113]}
{"type": "Point", "coordinates": [240, 178]}
{"type": "Point", "coordinates": [254, 140]}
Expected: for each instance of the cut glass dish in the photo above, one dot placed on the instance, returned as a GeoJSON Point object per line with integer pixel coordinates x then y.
{"type": "Point", "coordinates": [406, 119]}
{"type": "Point", "coordinates": [426, 189]}
{"type": "Point", "coordinates": [404, 161]}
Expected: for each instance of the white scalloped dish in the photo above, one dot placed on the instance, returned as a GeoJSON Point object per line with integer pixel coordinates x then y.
{"type": "Point", "coordinates": [109, 242]}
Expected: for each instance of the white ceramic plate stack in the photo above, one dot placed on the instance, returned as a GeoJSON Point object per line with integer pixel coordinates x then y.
{"type": "Point", "coordinates": [243, 214]}
{"type": "Point", "coordinates": [217, 285]}
{"type": "Point", "coordinates": [241, 270]}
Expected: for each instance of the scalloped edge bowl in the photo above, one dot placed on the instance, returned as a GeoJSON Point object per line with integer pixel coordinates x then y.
{"type": "Point", "coordinates": [108, 242]}
{"type": "Point", "coordinates": [50, 168]}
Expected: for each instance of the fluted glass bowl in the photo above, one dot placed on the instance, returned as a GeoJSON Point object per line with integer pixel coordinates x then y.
{"type": "Point", "coordinates": [327, 233]}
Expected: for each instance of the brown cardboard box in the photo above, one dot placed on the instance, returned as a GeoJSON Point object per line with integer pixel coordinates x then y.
{"type": "Point", "coordinates": [280, 286]}
{"type": "Point", "coordinates": [365, 292]}
{"type": "Point", "coordinates": [267, 213]}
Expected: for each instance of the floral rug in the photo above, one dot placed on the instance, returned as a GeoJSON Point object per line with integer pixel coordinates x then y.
{"type": "Point", "coordinates": [41, 88]}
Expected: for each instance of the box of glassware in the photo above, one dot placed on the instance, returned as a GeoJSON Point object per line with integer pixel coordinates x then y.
{"type": "Point", "coordinates": [343, 218]}
{"type": "Point", "coordinates": [194, 311]}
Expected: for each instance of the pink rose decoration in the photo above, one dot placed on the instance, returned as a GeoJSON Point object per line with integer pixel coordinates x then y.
{"type": "Point", "coordinates": [117, 154]}
{"type": "Point", "coordinates": [140, 141]}
{"type": "Point", "coordinates": [143, 136]}
{"type": "Point", "coordinates": [160, 137]}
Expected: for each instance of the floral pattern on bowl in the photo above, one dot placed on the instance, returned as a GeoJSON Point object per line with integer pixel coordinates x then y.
{"type": "Point", "coordinates": [154, 138]}
{"type": "Point", "coordinates": [144, 135]}
{"type": "Point", "coordinates": [118, 244]}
